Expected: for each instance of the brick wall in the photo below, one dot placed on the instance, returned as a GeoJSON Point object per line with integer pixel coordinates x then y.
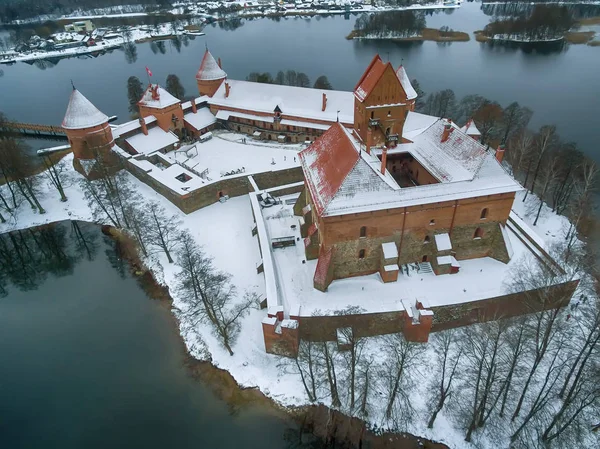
{"type": "Point", "coordinates": [409, 227]}
{"type": "Point", "coordinates": [323, 328]}
{"type": "Point", "coordinates": [514, 304]}
{"type": "Point", "coordinates": [232, 186]}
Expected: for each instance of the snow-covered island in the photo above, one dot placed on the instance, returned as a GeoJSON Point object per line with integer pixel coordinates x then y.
{"type": "Point", "coordinates": [340, 248]}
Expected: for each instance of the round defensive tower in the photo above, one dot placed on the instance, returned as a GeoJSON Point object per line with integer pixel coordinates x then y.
{"type": "Point", "coordinates": [210, 75]}
{"type": "Point", "coordinates": [86, 128]}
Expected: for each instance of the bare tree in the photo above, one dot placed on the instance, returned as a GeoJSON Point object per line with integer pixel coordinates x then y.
{"type": "Point", "coordinates": [54, 171]}
{"type": "Point", "coordinates": [18, 170]}
{"type": "Point", "coordinates": [329, 359]}
{"type": "Point", "coordinates": [545, 140]}
{"type": "Point", "coordinates": [402, 358]}
{"type": "Point", "coordinates": [488, 119]}
{"type": "Point", "coordinates": [208, 293]}
{"type": "Point", "coordinates": [519, 152]}
{"type": "Point", "coordinates": [163, 232]}
{"type": "Point", "coordinates": [306, 363]}
{"type": "Point", "coordinates": [448, 356]}
{"type": "Point", "coordinates": [365, 378]}
{"type": "Point", "coordinates": [352, 356]}
{"type": "Point", "coordinates": [549, 174]}
{"type": "Point", "coordinates": [514, 118]}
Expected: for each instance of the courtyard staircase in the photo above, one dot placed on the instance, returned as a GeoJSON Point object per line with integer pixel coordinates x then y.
{"type": "Point", "coordinates": [425, 267]}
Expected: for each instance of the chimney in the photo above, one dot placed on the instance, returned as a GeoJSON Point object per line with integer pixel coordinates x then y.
{"type": "Point", "coordinates": [500, 153]}
{"type": "Point", "coordinates": [143, 125]}
{"type": "Point", "coordinates": [369, 139]}
{"type": "Point", "coordinates": [324, 102]}
{"type": "Point", "coordinates": [194, 108]}
{"type": "Point", "coordinates": [227, 88]}
{"type": "Point", "coordinates": [219, 62]}
{"type": "Point", "coordinates": [447, 131]}
{"type": "Point", "coordinates": [155, 94]}
{"type": "Point", "coordinates": [383, 160]}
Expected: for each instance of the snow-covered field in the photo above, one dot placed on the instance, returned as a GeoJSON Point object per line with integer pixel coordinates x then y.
{"type": "Point", "coordinates": [224, 230]}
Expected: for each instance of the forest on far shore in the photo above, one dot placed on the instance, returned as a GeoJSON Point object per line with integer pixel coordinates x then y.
{"type": "Point", "coordinates": [23, 9]}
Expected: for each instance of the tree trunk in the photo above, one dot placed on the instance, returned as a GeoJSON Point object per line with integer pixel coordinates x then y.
{"type": "Point", "coordinates": [37, 203]}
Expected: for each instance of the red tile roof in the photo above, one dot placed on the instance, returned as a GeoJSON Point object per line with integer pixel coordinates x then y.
{"type": "Point", "coordinates": [326, 163]}
{"type": "Point", "coordinates": [369, 79]}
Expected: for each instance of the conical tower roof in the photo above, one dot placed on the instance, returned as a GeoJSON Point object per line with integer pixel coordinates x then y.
{"type": "Point", "coordinates": [81, 113]}
{"type": "Point", "coordinates": [209, 69]}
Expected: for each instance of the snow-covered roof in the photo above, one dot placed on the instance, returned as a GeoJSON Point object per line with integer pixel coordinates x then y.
{"type": "Point", "coordinates": [157, 97]}
{"type": "Point", "coordinates": [370, 78]}
{"type": "Point", "coordinates": [456, 159]}
{"type": "Point", "coordinates": [81, 113]}
{"type": "Point", "coordinates": [132, 125]}
{"type": "Point", "coordinates": [209, 69]}
{"type": "Point", "coordinates": [416, 123]}
{"type": "Point", "coordinates": [410, 91]}
{"type": "Point", "coordinates": [156, 140]}
{"type": "Point", "coordinates": [390, 250]}
{"type": "Point", "coordinates": [201, 119]}
{"type": "Point", "coordinates": [442, 241]}
{"type": "Point", "coordinates": [344, 180]}
{"type": "Point", "coordinates": [470, 128]}
{"type": "Point", "coordinates": [294, 102]}
{"type": "Point", "coordinates": [224, 115]}
{"type": "Point", "coordinates": [334, 167]}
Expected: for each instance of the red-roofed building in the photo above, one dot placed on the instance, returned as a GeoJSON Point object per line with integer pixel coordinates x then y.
{"type": "Point", "coordinates": [375, 187]}
{"type": "Point", "coordinates": [382, 99]}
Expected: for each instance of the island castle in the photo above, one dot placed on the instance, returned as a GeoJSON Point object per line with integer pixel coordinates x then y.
{"type": "Point", "coordinates": [383, 190]}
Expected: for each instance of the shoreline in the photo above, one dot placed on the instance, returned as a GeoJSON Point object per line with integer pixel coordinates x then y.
{"type": "Point", "coordinates": [427, 34]}
{"type": "Point", "coordinates": [238, 14]}
{"type": "Point", "coordinates": [322, 421]}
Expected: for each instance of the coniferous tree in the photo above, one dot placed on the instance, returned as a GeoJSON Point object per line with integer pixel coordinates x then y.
{"type": "Point", "coordinates": [323, 83]}
{"type": "Point", "coordinates": [174, 87]}
{"type": "Point", "coordinates": [135, 90]}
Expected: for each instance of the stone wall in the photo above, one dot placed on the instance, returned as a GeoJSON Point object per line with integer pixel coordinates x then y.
{"type": "Point", "coordinates": [413, 230]}
{"type": "Point", "coordinates": [323, 328]}
{"type": "Point", "coordinates": [231, 186]}
{"type": "Point", "coordinates": [514, 304]}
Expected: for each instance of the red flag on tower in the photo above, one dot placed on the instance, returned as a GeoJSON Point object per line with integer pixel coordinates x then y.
{"type": "Point", "coordinates": [148, 71]}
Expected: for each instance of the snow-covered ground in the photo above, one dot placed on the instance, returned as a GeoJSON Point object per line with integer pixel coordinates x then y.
{"type": "Point", "coordinates": [227, 152]}
{"type": "Point", "coordinates": [477, 279]}
{"type": "Point", "coordinates": [224, 230]}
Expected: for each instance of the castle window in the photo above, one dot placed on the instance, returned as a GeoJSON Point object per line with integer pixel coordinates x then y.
{"type": "Point", "coordinates": [361, 254]}
{"type": "Point", "coordinates": [431, 222]}
{"type": "Point", "coordinates": [426, 239]}
{"type": "Point", "coordinates": [478, 234]}
{"type": "Point", "coordinates": [389, 113]}
{"type": "Point", "coordinates": [363, 232]}
{"type": "Point", "coordinates": [372, 114]}
{"type": "Point", "coordinates": [484, 213]}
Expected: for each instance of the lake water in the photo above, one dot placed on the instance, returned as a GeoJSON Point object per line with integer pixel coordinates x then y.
{"type": "Point", "coordinates": [87, 360]}
{"type": "Point", "coordinates": [559, 85]}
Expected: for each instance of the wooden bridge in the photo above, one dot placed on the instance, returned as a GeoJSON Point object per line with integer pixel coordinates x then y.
{"type": "Point", "coordinates": [32, 129]}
